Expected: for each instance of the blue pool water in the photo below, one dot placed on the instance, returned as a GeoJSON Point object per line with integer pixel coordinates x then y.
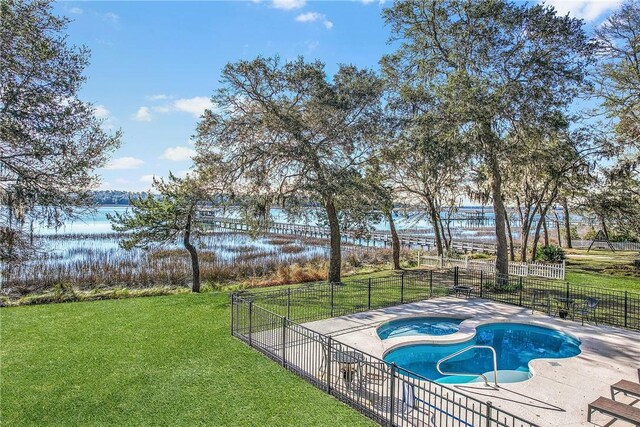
{"type": "Point", "coordinates": [419, 326]}
{"type": "Point", "coordinates": [515, 344]}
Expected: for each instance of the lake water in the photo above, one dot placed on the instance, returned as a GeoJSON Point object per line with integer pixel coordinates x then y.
{"type": "Point", "coordinates": [96, 222]}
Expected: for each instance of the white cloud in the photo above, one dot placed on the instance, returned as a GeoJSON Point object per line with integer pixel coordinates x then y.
{"type": "Point", "coordinates": [313, 17]}
{"type": "Point", "coordinates": [111, 17]}
{"type": "Point", "coordinates": [288, 4]}
{"type": "Point", "coordinates": [182, 174]}
{"type": "Point", "coordinates": [147, 179]}
{"type": "Point", "coordinates": [589, 10]}
{"type": "Point", "coordinates": [101, 112]}
{"type": "Point", "coordinates": [75, 10]}
{"type": "Point", "coordinates": [195, 105]}
{"type": "Point", "coordinates": [178, 154]}
{"type": "Point", "coordinates": [124, 163]}
{"type": "Point", "coordinates": [158, 97]}
{"type": "Point", "coordinates": [367, 1]}
{"type": "Point", "coordinates": [309, 17]}
{"type": "Point", "coordinates": [142, 115]}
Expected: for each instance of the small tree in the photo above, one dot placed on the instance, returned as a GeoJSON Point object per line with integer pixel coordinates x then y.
{"type": "Point", "coordinates": [165, 219]}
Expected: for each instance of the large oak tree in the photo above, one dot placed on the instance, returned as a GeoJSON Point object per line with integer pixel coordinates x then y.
{"type": "Point", "coordinates": [493, 66]}
{"type": "Point", "coordinates": [290, 132]}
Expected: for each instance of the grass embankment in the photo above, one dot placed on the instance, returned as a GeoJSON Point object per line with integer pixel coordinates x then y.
{"type": "Point", "coordinates": [147, 361]}
{"type": "Point", "coordinates": [604, 269]}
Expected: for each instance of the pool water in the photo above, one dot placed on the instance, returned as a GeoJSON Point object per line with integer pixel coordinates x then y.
{"type": "Point", "coordinates": [515, 344]}
{"type": "Point", "coordinates": [419, 326]}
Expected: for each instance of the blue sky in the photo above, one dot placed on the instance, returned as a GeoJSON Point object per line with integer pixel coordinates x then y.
{"type": "Point", "coordinates": [154, 65]}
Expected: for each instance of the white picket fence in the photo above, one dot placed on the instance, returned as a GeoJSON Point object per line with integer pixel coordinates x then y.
{"type": "Point", "coordinates": [549, 271]}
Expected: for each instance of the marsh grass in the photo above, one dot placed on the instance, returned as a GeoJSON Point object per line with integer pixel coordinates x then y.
{"type": "Point", "coordinates": [83, 268]}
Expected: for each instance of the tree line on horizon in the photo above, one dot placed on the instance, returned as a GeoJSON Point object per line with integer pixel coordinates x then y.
{"type": "Point", "coordinates": [481, 100]}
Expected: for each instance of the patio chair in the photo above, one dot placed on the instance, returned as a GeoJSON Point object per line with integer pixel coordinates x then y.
{"type": "Point", "coordinates": [541, 298]}
{"type": "Point", "coordinates": [588, 307]}
{"type": "Point", "coordinates": [374, 374]}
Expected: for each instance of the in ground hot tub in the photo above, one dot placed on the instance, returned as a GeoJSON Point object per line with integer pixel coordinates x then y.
{"type": "Point", "coordinates": [409, 326]}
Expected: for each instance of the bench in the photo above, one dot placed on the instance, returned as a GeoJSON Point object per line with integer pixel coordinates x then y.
{"type": "Point", "coordinates": [615, 409]}
{"type": "Point", "coordinates": [461, 289]}
{"type": "Point", "coordinates": [629, 388]}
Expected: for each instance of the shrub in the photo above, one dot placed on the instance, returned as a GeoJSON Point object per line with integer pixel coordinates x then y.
{"type": "Point", "coordinates": [550, 253]}
{"type": "Point", "coordinates": [574, 233]}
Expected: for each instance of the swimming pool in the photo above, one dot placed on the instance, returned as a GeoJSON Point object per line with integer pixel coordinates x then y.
{"type": "Point", "coordinates": [419, 326]}
{"type": "Point", "coordinates": [516, 345]}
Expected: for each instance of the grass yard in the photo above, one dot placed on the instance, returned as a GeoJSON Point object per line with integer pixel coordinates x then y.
{"type": "Point", "coordinates": [147, 361]}
{"type": "Point", "coordinates": [604, 269]}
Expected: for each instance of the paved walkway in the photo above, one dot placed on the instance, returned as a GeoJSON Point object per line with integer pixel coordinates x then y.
{"type": "Point", "coordinates": [560, 390]}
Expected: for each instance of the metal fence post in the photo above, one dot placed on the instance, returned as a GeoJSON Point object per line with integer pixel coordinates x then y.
{"type": "Point", "coordinates": [331, 285]}
{"type": "Point", "coordinates": [430, 283]}
{"type": "Point", "coordinates": [567, 295]}
{"type": "Point", "coordinates": [626, 307]}
{"type": "Point", "coordinates": [284, 341]}
{"type": "Point", "coordinates": [402, 288]}
{"type": "Point", "coordinates": [288, 303]}
{"type": "Point", "coordinates": [329, 365]}
{"type": "Point", "coordinates": [393, 393]}
{"type": "Point", "coordinates": [481, 282]}
{"type": "Point", "coordinates": [520, 285]}
{"type": "Point", "coordinates": [233, 306]}
{"type": "Point", "coordinates": [250, 322]}
{"type": "Point", "coordinates": [489, 415]}
{"type": "Point", "coordinates": [455, 276]}
{"type": "Point", "coordinates": [369, 294]}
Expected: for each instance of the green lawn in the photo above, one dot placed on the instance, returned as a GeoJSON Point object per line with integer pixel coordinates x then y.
{"type": "Point", "coordinates": [604, 269]}
{"type": "Point", "coordinates": [147, 361]}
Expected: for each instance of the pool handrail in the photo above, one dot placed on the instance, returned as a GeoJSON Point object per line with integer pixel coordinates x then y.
{"type": "Point", "coordinates": [484, 377]}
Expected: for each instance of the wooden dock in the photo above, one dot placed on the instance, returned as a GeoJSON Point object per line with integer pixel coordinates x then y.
{"type": "Point", "coordinates": [375, 239]}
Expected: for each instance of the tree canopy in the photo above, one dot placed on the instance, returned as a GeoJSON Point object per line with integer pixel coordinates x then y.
{"type": "Point", "coordinates": [50, 140]}
{"type": "Point", "coordinates": [496, 70]}
{"type": "Point", "coordinates": [286, 131]}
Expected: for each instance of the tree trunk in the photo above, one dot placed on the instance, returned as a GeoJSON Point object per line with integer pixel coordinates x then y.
{"type": "Point", "coordinates": [433, 214]}
{"type": "Point", "coordinates": [536, 237]}
{"type": "Point", "coordinates": [512, 254]}
{"type": "Point", "coordinates": [604, 228]}
{"type": "Point", "coordinates": [526, 230]}
{"type": "Point", "coordinates": [502, 259]}
{"type": "Point", "coordinates": [335, 258]}
{"type": "Point", "coordinates": [395, 241]}
{"type": "Point", "coordinates": [195, 265]}
{"type": "Point", "coordinates": [546, 232]}
{"type": "Point", "coordinates": [567, 223]}
{"type": "Point", "coordinates": [558, 232]}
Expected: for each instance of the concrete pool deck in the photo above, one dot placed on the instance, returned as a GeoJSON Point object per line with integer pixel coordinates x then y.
{"type": "Point", "coordinates": [560, 389]}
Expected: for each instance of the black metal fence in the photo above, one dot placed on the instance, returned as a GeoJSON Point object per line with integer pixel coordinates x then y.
{"type": "Point", "coordinates": [269, 321]}
{"type": "Point", "coordinates": [384, 392]}
{"type": "Point", "coordinates": [323, 300]}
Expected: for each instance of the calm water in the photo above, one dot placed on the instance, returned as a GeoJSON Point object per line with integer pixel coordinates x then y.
{"type": "Point", "coordinates": [96, 222]}
{"type": "Point", "coordinates": [515, 344]}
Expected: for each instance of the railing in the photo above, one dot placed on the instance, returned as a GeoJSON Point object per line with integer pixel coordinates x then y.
{"type": "Point", "coordinates": [619, 246]}
{"type": "Point", "coordinates": [266, 320]}
{"type": "Point", "coordinates": [549, 271]}
{"type": "Point", "coordinates": [384, 392]}
{"type": "Point", "coordinates": [406, 238]}
{"type": "Point", "coordinates": [464, 350]}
